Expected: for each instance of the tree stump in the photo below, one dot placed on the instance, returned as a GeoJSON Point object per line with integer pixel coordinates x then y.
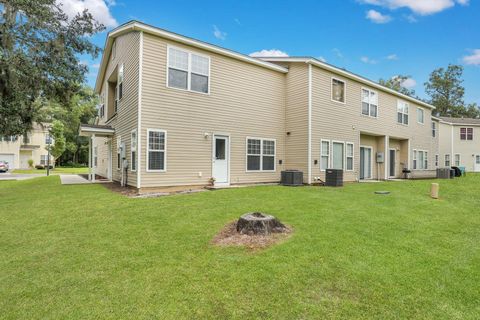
{"type": "Point", "coordinates": [259, 223]}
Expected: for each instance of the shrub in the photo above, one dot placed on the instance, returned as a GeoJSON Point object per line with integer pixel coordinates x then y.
{"type": "Point", "coordinates": [30, 163]}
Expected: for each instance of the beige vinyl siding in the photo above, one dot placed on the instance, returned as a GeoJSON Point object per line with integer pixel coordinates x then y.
{"type": "Point", "coordinates": [127, 53]}
{"type": "Point", "coordinates": [344, 122]}
{"type": "Point", "coordinates": [450, 143]}
{"type": "Point", "coordinates": [244, 101]}
{"type": "Point", "coordinates": [297, 118]}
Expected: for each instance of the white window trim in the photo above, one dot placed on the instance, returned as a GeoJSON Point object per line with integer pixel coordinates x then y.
{"type": "Point", "coordinates": [353, 156]}
{"type": "Point", "coordinates": [466, 134]}
{"type": "Point", "coordinates": [459, 159]}
{"type": "Point", "coordinates": [119, 144]}
{"type": "Point", "coordinates": [121, 66]}
{"type": "Point", "coordinates": [423, 111]}
{"type": "Point", "coordinates": [449, 160]}
{"type": "Point", "coordinates": [344, 153]}
{"type": "Point", "coordinates": [361, 102]}
{"type": "Point", "coordinates": [409, 117]}
{"type": "Point", "coordinates": [189, 70]}
{"type": "Point", "coordinates": [425, 158]}
{"type": "Point", "coordinates": [261, 154]}
{"type": "Point", "coordinates": [131, 149]}
{"type": "Point", "coordinates": [164, 151]}
{"type": "Point", "coordinates": [328, 156]}
{"type": "Point", "coordinates": [344, 90]}
{"type": "Point", "coordinates": [434, 128]}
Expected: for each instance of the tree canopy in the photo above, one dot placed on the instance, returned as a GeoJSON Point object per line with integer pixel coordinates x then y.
{"type": "Point", "coordinates": [40, 46]}
{"type": "Point", "coordinates": [397, 83]}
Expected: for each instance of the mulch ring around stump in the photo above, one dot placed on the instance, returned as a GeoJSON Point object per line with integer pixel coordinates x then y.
{"type": "Point", "coordinates": [229, 236]}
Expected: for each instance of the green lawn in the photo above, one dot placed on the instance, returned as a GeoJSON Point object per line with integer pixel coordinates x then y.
{"type": "Point", "coordinates": [57, 170]}
{"type": "Point", "coordinates": [82, 252]}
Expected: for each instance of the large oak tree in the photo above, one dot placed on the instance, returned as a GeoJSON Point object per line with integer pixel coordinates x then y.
{"type": "Point", "coordinates": [40, 46]}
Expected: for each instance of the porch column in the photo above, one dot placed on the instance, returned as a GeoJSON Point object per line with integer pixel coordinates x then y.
{"type": "Point", "coordinates": [90, 159]}
{"type": "Point", "coordinates": [409, 155]}
{"type": "Point", "coordinates": [94, 168]}
{"type": "Point", "coordinates": [387, 157]}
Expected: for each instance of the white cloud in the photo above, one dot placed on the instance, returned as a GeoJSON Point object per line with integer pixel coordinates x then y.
{"type": "Point", "coordinates": [377, 17]}
{"type": "Point", "coordinates": [237, 21]}
{"type": "Point", "coordinates": [218, 33]}
{"type": "Point", "coordinates": [473, 59]}
{"type": "Point", "coordinates": [338, 53]}
{"type": "Point", "coordinates": [368, 60]}
{"type": "Point", "coordinates": [99, 9]}
{"type": "Point", "coordinates": [268, 53]}
{"type": "Point", "coordinates": [421, 7]}
{"type": "Point", "coordinates": [392, 56]}
{"type": "Point", "coordinates": [409, 83]}
{"type": "Point", "coordinates": [321, 59]}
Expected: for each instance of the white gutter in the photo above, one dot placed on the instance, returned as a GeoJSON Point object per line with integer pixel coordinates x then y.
{"type": "Point", "coordinates": [309, 124]}
{"type": "Point", "coordinates": [139, 115]}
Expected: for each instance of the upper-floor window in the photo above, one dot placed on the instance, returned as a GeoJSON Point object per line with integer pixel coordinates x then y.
{"type": "Point", "coordinates": [369, 103]}
{"type": "Point", "coordinates": [48, 139]}
{"type": "Point", "coordinates": [466, 133]}
{"type": "Point", "coordinates": [420, 115]}
{"type": "Point", "coordinates": [188, 71]}
{"type": "Point", "coordinates": [434, 129]}
{"type": "Point", "coordinates": [120, 82]}
{"type": "Point", "coordinates": [8, 138]}
{"type": "Point", "coordinates": [260, 154]}
{"type": "Point", "coordinates": [402, 112]}
{"type": "Point", "coordinates": [338, 90]}
{"type": "Point", "coordinates": [26, 138]}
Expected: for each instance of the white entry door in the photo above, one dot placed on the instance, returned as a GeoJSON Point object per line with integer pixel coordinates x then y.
{"type": "Point", "coordinates": [221, 159]}
{"type": "Point", "coordinates": [476, 164]}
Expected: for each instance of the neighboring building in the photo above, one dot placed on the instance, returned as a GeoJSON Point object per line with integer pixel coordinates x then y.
{"type": "Point", "coordinates": [181, 111]}
{"type": "Point", "coordinates": [460, 143]}
{"type": "Point", "coordinates": [17, 150]}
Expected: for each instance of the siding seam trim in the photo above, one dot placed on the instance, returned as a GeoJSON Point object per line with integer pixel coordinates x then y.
{"type": "Point", "coordinates": [139, 109]}
{"type": "Point", "coordinates": [309, 167]}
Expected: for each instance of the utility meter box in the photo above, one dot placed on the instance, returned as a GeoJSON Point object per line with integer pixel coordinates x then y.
{"type": "Point", "coordinates": [380, 157]}
{"type": "Point", "coordinates": [122, 151]}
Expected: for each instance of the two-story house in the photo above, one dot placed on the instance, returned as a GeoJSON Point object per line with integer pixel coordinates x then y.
{"type": "Point", "coordinates": [18, 150]}
{"type": "Point", "coordinates": [460, 143]}
{"type": "Point", "coordinates": [181, 112]}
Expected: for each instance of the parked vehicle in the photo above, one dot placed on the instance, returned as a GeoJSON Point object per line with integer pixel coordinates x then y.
{"type": "Point", "coordinates": [3, 166]}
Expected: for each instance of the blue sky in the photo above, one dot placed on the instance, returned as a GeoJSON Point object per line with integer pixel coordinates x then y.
{"type": "Point", "coordinates": [373, 38]}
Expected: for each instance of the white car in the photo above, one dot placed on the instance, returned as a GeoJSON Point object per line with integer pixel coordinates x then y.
{"type": "Point", "coordinates": [3, 166]}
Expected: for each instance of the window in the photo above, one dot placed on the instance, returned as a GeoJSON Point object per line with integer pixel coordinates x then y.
{"type": "Point", "coordinates": [338, 90]}
{"type": "Point", "coordinates": [369, 103]}
{"type": "Point", "coordinates": [48, 139]}
{"type": "Point", "coordinates": [466, 133]}
{"type": "Point", "coordinates": [120, 83]}
{"type": "Point", "coordinates": [457, 160]}
{"type": "Point", "coordinates": [402, 112]}
{"type": "Point", "coordinates": [420, 160]}
{"type": "Point", "coordinates": [447, 160]}
{"type": "Point", "coordinates": [434, 129]}
{"type": "Point", "coordinates": [26, 138]}
{"type": "Point", "coordinates": [349, 156]}
{"type": "Point", "coordinates": [420, 115]}
{"type": "Point", "coordinates": [101, 108]}
{"type": "Point", "coordinates": [114, 49]}
{"type": "Point", "coordinates": [119, 152]}
{"type": "Point", "coordinates": [436, 160]}
{"type": "Point", "coordinates": [260, 155]}
{"type": "Point", "coordinates": [44, 159]}
{"type": "Point", "coordinates": [338, 155]}
{"type": "Point", "coordinates": [324, 154]}
{"type": "Point", "coordinates": [156, 160]}
{"type": "Point", "coordinates": [188, 71]}
{"type": "Point", "coordinates": [95, 156]}
{"type": "Point", "coordinates": [133, 150]}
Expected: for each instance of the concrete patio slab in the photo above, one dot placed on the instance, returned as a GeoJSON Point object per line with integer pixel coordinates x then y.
{"type": "Point", "coordinates": [16, 176]}
{"type": "Point", "coordinates": [73, 179]}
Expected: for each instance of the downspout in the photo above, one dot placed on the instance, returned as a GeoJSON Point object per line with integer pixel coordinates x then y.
{"type": "Point", "coordinates": [309, 168]}
{"type": "Point", "coordinates": [451, 145]}
{"type": "Point", "coordinates": [139, 115]}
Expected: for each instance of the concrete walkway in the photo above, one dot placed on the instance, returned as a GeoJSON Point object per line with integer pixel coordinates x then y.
{"type": "Point", "coordinates": [73, 179]}
{"type": "Point", "coordinates": [6, 176]}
